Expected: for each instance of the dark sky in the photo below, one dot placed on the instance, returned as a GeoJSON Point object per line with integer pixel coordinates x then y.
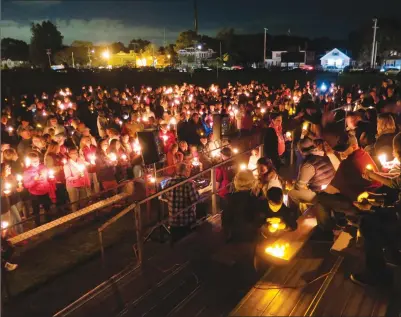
{"type": "Point", "coordinates": [109, 21]}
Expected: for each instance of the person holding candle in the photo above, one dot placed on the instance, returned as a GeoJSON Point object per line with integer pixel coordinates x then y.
{"type": "Point", "coordinates": [267, 178]}
{"type": "Point", "coordinates": [105, 166]}
{"type": "Point", "coordinates": [224, 176]}
{"type": "Point", "coordinates": [88, 152]}
{"type": "Point", "coordinates": [77, 178]}
{"type": "Point", "coordinates": [386, 131]}
{"type": "Point", "coordinates": [41, 189]}
{"type": "Point", "coordinates": [10, 199]}
{"type": "Point", "coordinates": [123, 161]}
{"type": "Point", "coordinates": [381, 230]}
{"type": "Point", "coordinates": [167, 138]}
{"type": "Point", "coordinates": [53, 160]}
{"type": "Point", "coordinates": [173, 158]}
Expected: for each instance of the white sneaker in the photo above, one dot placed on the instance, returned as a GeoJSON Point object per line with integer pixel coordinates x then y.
{"type": "Point", "coordinates": [10, 266]}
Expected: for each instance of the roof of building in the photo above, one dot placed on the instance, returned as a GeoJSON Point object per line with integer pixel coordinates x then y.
{"type": "Point", "coordinates": [333, 52]}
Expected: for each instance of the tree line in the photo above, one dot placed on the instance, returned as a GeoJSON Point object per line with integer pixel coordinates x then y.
{"type": "Point", "coordinates": [47, 41]}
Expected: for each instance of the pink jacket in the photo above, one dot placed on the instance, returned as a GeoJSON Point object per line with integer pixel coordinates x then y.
{"type": "Point", "coordinates": [73, 176]}
{"type": "Point", "coordinates": [40, 186]}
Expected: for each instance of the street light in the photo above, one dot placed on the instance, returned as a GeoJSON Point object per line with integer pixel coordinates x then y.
{"type": "Point", "coordinates": [199, 47]}
{"type": "Point", "coordinates": [106, 54]}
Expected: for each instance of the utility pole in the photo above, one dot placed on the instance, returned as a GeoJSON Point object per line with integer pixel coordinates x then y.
{"type": "Point", "coordinates": [376, 45]}
{"type": "Point", "coordinates": [372, 61]}
{"type": "Point", "coordinates": [219, 62]}
{"type": "Point", "coordinates": [264, 51]}
{"type": "Point", "coordinates": [72, 57]}
{"type": "Point", "coordinates": [48, 52]}
{"type": "Point", "coordinates": [164, 40]}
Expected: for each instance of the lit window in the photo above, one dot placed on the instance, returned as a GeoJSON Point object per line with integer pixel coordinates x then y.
{"type": "Point", "coordinates": [330, 62]}
{"type": "Point", "coordinates": [339, 62]}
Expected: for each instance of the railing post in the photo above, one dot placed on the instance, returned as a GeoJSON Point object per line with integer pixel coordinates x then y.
{"type": "Point", "coordinates": [102, 247]}
{"type": "Point", "coordinates": [139, 236]}
{"type": "Point", "coordinates": [214, 190]}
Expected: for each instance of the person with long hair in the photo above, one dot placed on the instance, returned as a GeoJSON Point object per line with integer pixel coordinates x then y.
{"type": "Point", "coordinates": [173, 158]}
{"type": "Point", "coordinates": [77, 178]}
{"type": "Point", "coordinates": [53, 160]}
{"type": "Point", "coordinates": [386, 131]}
{"type": "Point", "coordinates": [273, 140]}
{"type": "Point", "coordinates": [105, 167]}
{"type": "Point", "coordinates": [267, 177]}
{"type": "Point", "coordinates": [122, 159]}
{"type": "Point", "coordinates": [88, 151]}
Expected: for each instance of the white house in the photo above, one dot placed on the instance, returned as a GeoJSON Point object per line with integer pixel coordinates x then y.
{"type": "Point", "coordinates": [194, 56]}
{"type": "Point", "coordinates": [275, 60]}
{"type": "Point", "coordinates": [335, 60]}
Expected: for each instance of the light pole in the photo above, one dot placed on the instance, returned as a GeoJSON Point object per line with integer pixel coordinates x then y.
{"type": "Point", "coordinates": [372, 61]}
{"type": "Point", "coordinates": [48, 52]}
{"type": "Point", "coordinates": [264, 50]}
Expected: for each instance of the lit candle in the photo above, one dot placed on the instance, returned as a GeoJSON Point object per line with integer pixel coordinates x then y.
{"type": "Point", "coordinates": [145, 119]}
{"type": "Point", "coordinates": [324, 187]}
{"type": "Point", "coordinates": [383, 159]}
{"type": "Point", "coordinates": [288, 135]}
{"type": "Point", "coordinates": [235, 150]}
{"type": "Point", "coordinates": [242, 167]}
{"type": "Point", "coordinates": [195, 161]}
{"type": "Point", "coordinates": [277, 250]}
{"type": "Point", "coordinates": [262, 110]}
{"type": "Point", "coordinates": [81, 168]}
{"type": "Point", "coordinates": [113, 157]}
{"type": "Point", "coordinates": [165, 138]}
{"type": "Point", "coordinates": [92, 159]}
{"type": "Point", "coordinates": [305, 126]}
{"type": "Point", "coordinates": [124, 157]}
{"type": "Point", "coordinates": [4, 224]}
{"type": "Point", "coordinates": [50, 173]}
{"type": "Point", "coordinates": [10, 129]}
{"type": "Point", "coordinates": [7, 188]}
{"type": "Point", "coordinates": [152, 179]}
{"type": "Point", "coordinates": [369, 167]}
{"type": "Point", "coordinates": [64, 161]}
{"type": "Point", "coordinates": [19, 180]}
{"type": "Point", "coordinates": [27, 162]}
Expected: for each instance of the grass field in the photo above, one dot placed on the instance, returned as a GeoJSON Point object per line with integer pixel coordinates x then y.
{"type": "Point", "coordinates": [20, 82]}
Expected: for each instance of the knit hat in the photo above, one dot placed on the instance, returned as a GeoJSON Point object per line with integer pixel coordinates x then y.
{"type": "Point", "coordinates": [244, 180]}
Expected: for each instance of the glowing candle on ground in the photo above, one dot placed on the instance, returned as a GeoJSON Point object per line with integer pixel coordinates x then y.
{"type": "Point", "coordinates": [277, 250]}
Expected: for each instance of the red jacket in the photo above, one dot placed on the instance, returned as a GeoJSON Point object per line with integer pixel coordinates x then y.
{"type": "Point", "coordinates": [167, 139]}
{"type": "Point", "coordinates": [41, 186]}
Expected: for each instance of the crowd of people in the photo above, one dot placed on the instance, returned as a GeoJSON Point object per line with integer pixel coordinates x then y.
{"type": "Point", "coordinates": [63, 147]}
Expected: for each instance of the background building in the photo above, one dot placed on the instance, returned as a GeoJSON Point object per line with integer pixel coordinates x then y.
{"type": "Point", "coordinates": [335, 60]}
{"type": "Point", "coordinates": [194, 56]}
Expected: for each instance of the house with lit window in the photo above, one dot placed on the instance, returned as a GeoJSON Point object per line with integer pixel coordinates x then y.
{"type": "Point", "coordinates": [392, 59]}
{"type": "Point", "coordinates": [194, 56]}
{"type": "Point", "coordinates": [335, 60]}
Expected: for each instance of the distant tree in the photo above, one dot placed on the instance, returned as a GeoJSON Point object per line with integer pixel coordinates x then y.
{"type": "Point", "coordinates": [138, 45]}
{"type": "Point", "coordinates": [117, 47]}
{"type": "Point", "coordinates": [45, 36]}
{"type": "Point", "coordinates": [82, 44]}
{"type": "Point", "coordinates": [186, 39]}
{"type": "Point", "coordinates": [226, 36]}
{"type": "Point", "coordinates": [65, 55]}
{"type": "Point", "coordinates": [14, 49]}
{"type": "Point", "coordinates": [388, 38]}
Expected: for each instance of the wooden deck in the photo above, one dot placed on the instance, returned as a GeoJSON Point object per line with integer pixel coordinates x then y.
{"type": "Point", "coordinates": [203, 277]}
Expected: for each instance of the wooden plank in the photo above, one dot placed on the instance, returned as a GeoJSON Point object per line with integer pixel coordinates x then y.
{"type": "Point", "coordinates": [62, 220]}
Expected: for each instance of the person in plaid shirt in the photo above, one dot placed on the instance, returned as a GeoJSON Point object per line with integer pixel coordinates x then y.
{"type": "Point", "coordinates": [179, 199]}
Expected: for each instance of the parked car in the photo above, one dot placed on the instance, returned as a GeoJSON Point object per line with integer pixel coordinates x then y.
{"type": "Point", "coordinates": [392, 71]}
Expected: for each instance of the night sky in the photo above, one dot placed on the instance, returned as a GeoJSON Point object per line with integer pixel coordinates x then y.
{"type": "Point", "coordinates": [109, 21]}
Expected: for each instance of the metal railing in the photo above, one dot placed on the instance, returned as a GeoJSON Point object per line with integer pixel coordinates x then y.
{"type": "Point", "coordinates": [135, 207]}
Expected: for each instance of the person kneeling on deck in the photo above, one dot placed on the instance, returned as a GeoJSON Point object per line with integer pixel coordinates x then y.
{"type": "Point", "coordinates": [277, 209]}
{"type": "Point", "coordinates": [381, 230]}
{"type": "Point", "coordinates": [181, 215]}
{"type": "Point", "coordinates": [347, 183]}
{"type": "Point", "coordinates": [315, 173]}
